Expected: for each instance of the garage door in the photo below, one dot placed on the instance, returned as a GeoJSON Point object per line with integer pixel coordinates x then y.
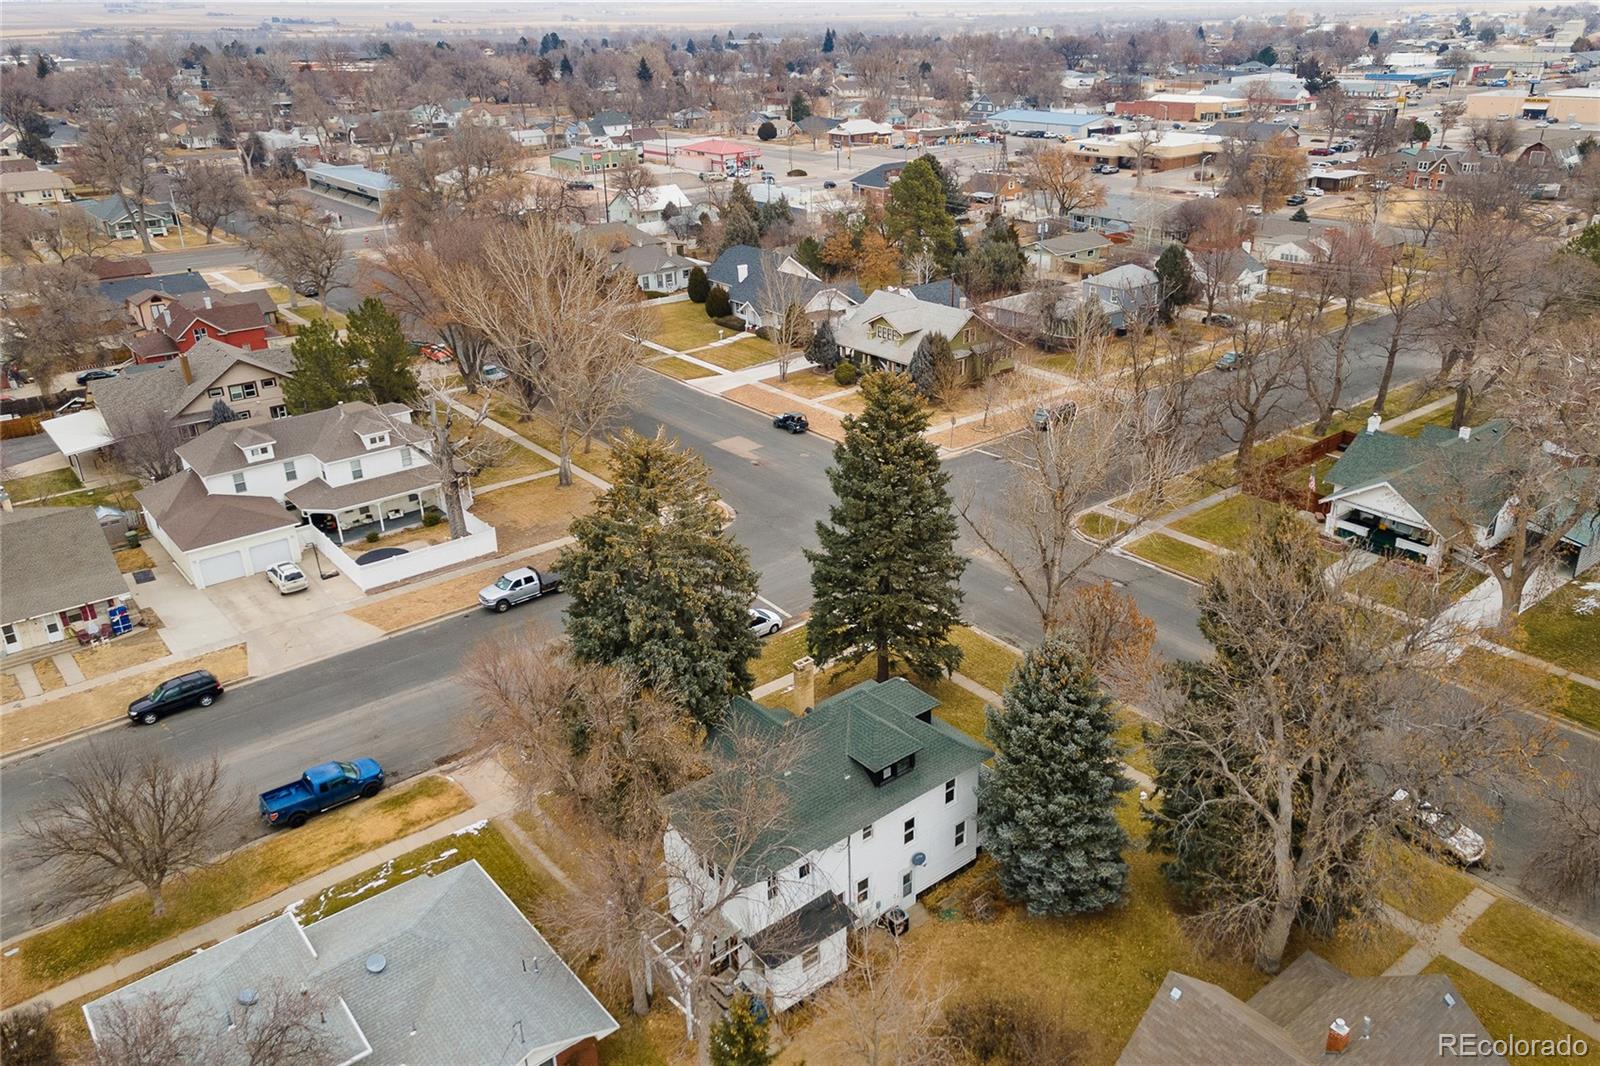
{"type": "Point", "coordinates": [220, 568]}
{"type": "Point", "coordinates": [264, 555]}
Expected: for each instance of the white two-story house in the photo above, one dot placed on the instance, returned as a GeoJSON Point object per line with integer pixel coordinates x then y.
{"type": "Point", "coordinates": [248, 488]}
{"type": "Point", "coordinates": [879, 804]}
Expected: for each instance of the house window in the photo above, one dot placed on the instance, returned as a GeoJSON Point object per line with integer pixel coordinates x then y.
{"type": "Point", "coordinates": [805, 871]}
{"type": "Point", "coordinates": [950, 791]}
{"type": "Point", "coordinates": [214, 391]}
{"type": "Point", "coordinates": [278, 410]}
{"type": "Point", "coordinates": [74, 616]}
{"type": "Point", "coordinates": [862, 890]}
{"type": "Point", "coordinates": [242, 415]}
{"type": "Point", "coordinates": [961, 833]}
{"type": "Point", "coordinates": [355, 470]}
{"type": "Point", "coordinates": [269, 383]}
{"type": "Point", "coordinates": [199, 331]}
{"type": "Point", "coordinates": [405, 457]}
{"type": "Point", "coordinates": [772, 887]}
{"type": "Point", "coordinates": [866, 832]}
{"type": "Point", "coordinates": [810, 959]}
{"type": "Point", "coordinates": [289, 472]}
{"type": "Point", "coordinates": [911, 830]}
{"type": "Point", "coordinates": [238, 481]}
{"type": "Point", "coordinates": [246, 391]}
{"type": "Point", "coordinates": [907, 888]}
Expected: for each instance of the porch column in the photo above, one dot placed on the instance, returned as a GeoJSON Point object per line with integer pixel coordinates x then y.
{"type": "Point", "coordinates": [381, 527]}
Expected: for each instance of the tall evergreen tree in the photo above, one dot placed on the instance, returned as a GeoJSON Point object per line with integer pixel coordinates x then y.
{"type": "Point", "coordinates": [827, 42]}
{"type": "Point", "coordinates": [799, 108]}
{"type": "Point", "coordinates": [566, 66]}
{"type": "Point", "coordinates": [221, 413]}
{"type": "Point", "coordinates": [1174, 278]}
{"type": "Point", "coordinates": [740, 1038]}
{"type": "Point", "coordinates": [823, 349]}
{"type": "Point", "coordinates": [699, 286]}
{"type": "Point", "coordinates": [321, 376]}
{"type": "Point", "coordinates": [644, 73]}
{"type": "Point", "coordinates": [379, 353]}
{"type": "Point", "coordinates": [656, 584]}
{"type": "Point", "coordinates": [690, 46]}
{"type": "Point", "coordinates": [932, 365]}
{"type": "Point", "coordinates": [916, 217]}
{"type": "Point", "coordinates": [1050, 804]}
{"type": "Point", "coordinates": [887, 580]}
{"type": "Point", "coordinates": [717, 303]}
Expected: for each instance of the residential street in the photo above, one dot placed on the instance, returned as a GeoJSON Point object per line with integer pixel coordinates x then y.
{"type": "Point", "coordinates": [398, 700]}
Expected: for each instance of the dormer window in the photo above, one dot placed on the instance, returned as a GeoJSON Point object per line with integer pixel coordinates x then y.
{"type": "Point", "coordinates": [258, 453]}
{"type": "Point", "coordinates": [375, 440]}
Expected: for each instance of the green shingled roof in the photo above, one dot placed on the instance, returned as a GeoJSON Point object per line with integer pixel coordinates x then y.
{"type": "Point", "coordinates": [831, 792]}
{"type": "Point", "coordinates": [1436, 472]}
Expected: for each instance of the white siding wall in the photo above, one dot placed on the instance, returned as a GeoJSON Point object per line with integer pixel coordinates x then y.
{"type": "Point", "coordinates": [791, 982]}
{"type": "Point", "coordinates": [266, 477]}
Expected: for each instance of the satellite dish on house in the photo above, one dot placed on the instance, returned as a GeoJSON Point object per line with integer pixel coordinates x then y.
{"type": "Point", "coordinates": [919, 859]}
{"type": "Point", "coordinates": [376, 963]}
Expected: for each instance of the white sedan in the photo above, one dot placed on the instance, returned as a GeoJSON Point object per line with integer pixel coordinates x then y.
{"type": "Point", "coordinates": [287, 577]}
{"type": "Point", "coordinates": [764, 623]}
{"type": "Point", "coordinates": [1460, 844]}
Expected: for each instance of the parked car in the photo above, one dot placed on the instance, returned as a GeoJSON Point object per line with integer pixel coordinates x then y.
{"type": "Point", "coordinates": [764, 623]}
{"type": "Point", "coordinates": [583, 186]}
{"type": "Point", "coordinates": [1380, 185]}
{"type": "Point", "coordinates": [794, 423]}
{"type": "Point", "coordinates": [320, 788]}
{"type": "Point", "coordinates": [492, 373]}
{"type": "Point", "coordinates": [97, 374]}
{"type": "Point", "coordinates": [1218, 319]}
{"type": "Point", "coordinates": [436, 353]}
{"type": "Point", "coordinates": [518, 586]}
{"type": "Point", "coordinates": [1252, 209]}
{"type": "Point", "coordinates": [287, 577]}
{"type": "Point", "coordinates": [1106, 168]}
{"type": "Point", "coordinates": [1575, 126]}
{"type": "Point", "coordinates": [307, 287]}
{"type": "Point", "coordinates": [1313, 190]}
{"type": "Point", "coordinates": [1060, 415]}
{"type": "Point", "coordinates": [830, 184]}
{"type": "Point", "coordinates": [1321, 151]}
{"type": "Point", "coordinates": [1344, 146]}
{"type": "Point", "coordinates": [1463, 845]}
{"type": "Point", "coordinates": [1229, 361]}
{"type": "Point", "coordinates": [1296, 199]}
{"type": "Point", "coordinates": [197, 689]}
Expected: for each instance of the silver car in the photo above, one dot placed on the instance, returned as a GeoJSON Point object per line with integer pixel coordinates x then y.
{"type": "Point", "coordinates": [287, 577]}
{"type": "Point", "coordinates": [518, 586]}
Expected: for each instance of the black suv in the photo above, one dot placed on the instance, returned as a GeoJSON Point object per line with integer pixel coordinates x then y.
{"type": "Point", "coordinates": [794, 423]}
{"type": "Point", "coordinates": [176, 694]}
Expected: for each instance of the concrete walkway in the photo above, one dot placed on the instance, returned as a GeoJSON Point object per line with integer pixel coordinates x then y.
{"type": "Point", "coordinates": [484, 781]}
{"type": "Point", "coordinates": [1444, 938]}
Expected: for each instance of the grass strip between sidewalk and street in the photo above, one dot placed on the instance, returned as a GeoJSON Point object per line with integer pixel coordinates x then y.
{"type": "Point", "coordinates": [52, 719]}
{"type": "Point", "coordinates": [1506, 1015]}
{"type": "Point", "coordinates": [1531, 945]}
{"type": "Point", "coordinates": [253, 873]}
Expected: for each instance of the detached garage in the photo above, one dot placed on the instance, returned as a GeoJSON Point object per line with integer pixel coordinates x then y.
{"type": "Point", "coordinates": [213, 539]}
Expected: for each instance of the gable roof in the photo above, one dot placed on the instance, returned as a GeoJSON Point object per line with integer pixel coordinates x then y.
{"type": "Point", "coordinates": [330, 434]}
{"type": "Point", "coordinates": [464, 978]}
{"type": "Point", "coordinates": [879, 177]}
{"type": "Point", "coordinates": [53, 558]}
{"type": "Point", "coordinates": [120, 289]}
{"type": "Point", "coordinates": [1443, 477]}
{"type": "Point", "coordinates": [756, 261]}
{"type": "Point", "coordinates": [1126, 276]}
{"type": "Point", "coordinates": [163, 386]}
{"type": "Point", "coordinates": [830, 794]}
{"type": "Point", "coordinates": [908, 316]}
{"type": "Point", "coordinates": [194, 518]}
{"type": "Point", "coordinates": [1190, 1020]}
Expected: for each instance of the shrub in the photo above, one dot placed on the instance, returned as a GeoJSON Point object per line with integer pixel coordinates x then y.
{"type": "Point", "coordinates": [797, 173]}
{"type": "Point", "coordinates": [652, 294]}
{"type": "Point", "coordinates": [846, 374]}
{"type": "Point", "coordinates": [432, 518]}
{"type": "Point", "coordinates": [717, 303]}
{"type": "Point", "coordinates": [1019, 1033]}
{"type": "Point", "coordinates": [766, 131]}
{"type": "Point", "coordinates": [372, 538]}
{"type": "Point", "coordinates": [699, 285]}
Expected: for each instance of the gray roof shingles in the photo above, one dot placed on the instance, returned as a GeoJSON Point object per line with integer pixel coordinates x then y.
{"type": "Point", "coordinates": [331, 434]}
{"type": "Point", "coordinates": [52, 559]}
{"type": "Point", "coordinates": [194, 518]}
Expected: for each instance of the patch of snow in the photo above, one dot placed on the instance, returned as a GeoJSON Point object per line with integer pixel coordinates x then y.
{"type": "Point", "coordinates": [471, 830]}
{"type": "Point", "coordinates": [1587, 606]}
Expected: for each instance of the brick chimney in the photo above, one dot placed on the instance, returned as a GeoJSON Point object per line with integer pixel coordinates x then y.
{"type": "Point", "coordinates": [1338, 1037]}
{"type": "Point", "coordinates": [183, 368]}
{"type": "Point", "coordinates": [805, 685]}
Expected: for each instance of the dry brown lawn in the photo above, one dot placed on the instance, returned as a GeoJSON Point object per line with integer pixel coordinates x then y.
{"type": "Point", "coordinates": [131, 559]}
{"type": "Point", "coordinates": [412, 537]}
{"type": "Point", "coordinates": [534, 512]}
{"type": "Point", "coordinates": [806, 382]}
{"type": "Point", "coordinates": [773, 402]}
{"type": "Point", "coordinates": [10, 690]}
{"type": "Point", "coordinates": [513, 461]}
{"type": "Point", "coordinates": [971, 434]}
{"type": "Point", "coordinates": [436, 600]}
{"type": "Point", "coordinates": [49, 674]}
{"type": "Point", "coordinates": [56, 718]}
{"type": "Point", "coordinates": [682, 369]}
{"type": "Point", "coordinates": [121, 653]}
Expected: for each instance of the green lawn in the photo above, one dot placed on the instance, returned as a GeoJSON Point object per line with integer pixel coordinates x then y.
{"type": "Point", "coordinates": [682, 326]}
{"type": "Point", "coordinates": [1537, 688]}
{"type": "Point", "coordinates": [1554, 631]}
{"type": "Point", "coordinates": [1506, 1015]}
{"type": "Point", "coordinates": [1174, 554]}
{"type": "Point", "coordinates": [742, 353]}
{"type": "Point", "coordinates": [1130, 734]}
{"type": "Point", "coordinates": [682, 369]}
{"type": "Point", "coordinates": [118, 495]}
{"type": "Point", "coordinates": [1099, 526]}
{"type": "Point", "coordinates": [311, 313]}
{"type": "Point", "coordinates": [985, 661]}
{"type": "Point", "coordinates": [34, 486]}
{"type": "Point", "coordinates": [126, 926]}
{"type": "Point", "coordinates": [1230, 523]}
{"type": "Point", "coordinates": [778, 654]}
{"type": "Point", "coordinates": [1401, 400]}
{"type": "Point", "coordinates": [1545, 952]}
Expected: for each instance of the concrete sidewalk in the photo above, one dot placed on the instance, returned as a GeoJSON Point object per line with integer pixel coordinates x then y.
{"type": "Point", "coordinates": [492, 793]}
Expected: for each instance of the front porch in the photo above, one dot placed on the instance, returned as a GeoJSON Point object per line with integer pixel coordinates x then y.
{"type": "Point", "coordinates": [1384, 534]}
{"type": "Point", "coordinates": [382, 516]}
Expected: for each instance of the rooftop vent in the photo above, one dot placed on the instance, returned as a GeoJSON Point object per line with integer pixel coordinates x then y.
{"type": "Point", "coordinates": [248, 997]}
{"type": "Point", "coordinates": [1176, 993]}
{"type": "Point", "coordinates": [376, 963]}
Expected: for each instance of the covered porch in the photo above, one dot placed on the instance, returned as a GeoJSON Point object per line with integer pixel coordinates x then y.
{"type": "Point", "coordinates": [351, 512]}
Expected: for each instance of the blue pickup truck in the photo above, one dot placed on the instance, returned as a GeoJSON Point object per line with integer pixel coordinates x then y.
{"type": "Point", "coordinates": [318, 789]}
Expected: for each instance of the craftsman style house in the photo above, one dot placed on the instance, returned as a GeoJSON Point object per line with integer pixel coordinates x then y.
{"type": "Point", "coordinates": [881, 805]}
{"type": "Point", "coordinates": [884, 332]}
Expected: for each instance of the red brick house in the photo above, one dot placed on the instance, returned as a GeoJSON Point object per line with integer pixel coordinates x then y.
{"type": "Point", "coordinates": [236, 320]}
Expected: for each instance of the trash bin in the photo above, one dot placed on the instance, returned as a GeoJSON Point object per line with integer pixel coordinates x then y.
{"type": "Point", "coordinates": [132, 537]}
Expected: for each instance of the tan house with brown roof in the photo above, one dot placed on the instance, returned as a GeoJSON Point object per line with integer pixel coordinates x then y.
{"type": "Point", "coordinates": [35, 188]}
{"type": "Point", "coordinates": [186, 388]}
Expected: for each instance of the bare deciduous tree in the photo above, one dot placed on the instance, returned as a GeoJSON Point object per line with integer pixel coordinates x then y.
{"type": "Point", "coordinates": [635, 183]}
{"type": "Point", "coordinates": [1064, 179]}
{"type": "Point", "coordinates": [211, 193]}
{"type": "Point", "coordinates": [411, 279]}
{"type": "Point", "coordinates": [147, 443]}
{"type": "Point", "coordinates": [286, 1026]}
{"type": "Point", "coordinates": [119, 151]}
{"type": "Point", "coordinates": [145, 1030]}
{"type": "Point", "coordinates": [305, 252]}
{"type": "Point", "coordinates": [55, 319]}
{"type": "Point", "coordinates": [127, 819]}
{"type": "Point", "coordinates": [1566, 866]}
{"type": "Point", "coordinates": [892, 1006]}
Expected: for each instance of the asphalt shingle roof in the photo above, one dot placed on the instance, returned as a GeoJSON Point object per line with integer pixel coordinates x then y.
{"type": "Point", "coordinates": [125, 398]}
{"type": "Point", "coordinates": [1442, 476]}
{"type": "Point", "coordinates": [52, 559]}
{"type": "Point", "coordinates": [830, 792]}
{"type": "Point", "coordinates": [331, 434]}
{"type": "Point", "coordinates": [194, 518]}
